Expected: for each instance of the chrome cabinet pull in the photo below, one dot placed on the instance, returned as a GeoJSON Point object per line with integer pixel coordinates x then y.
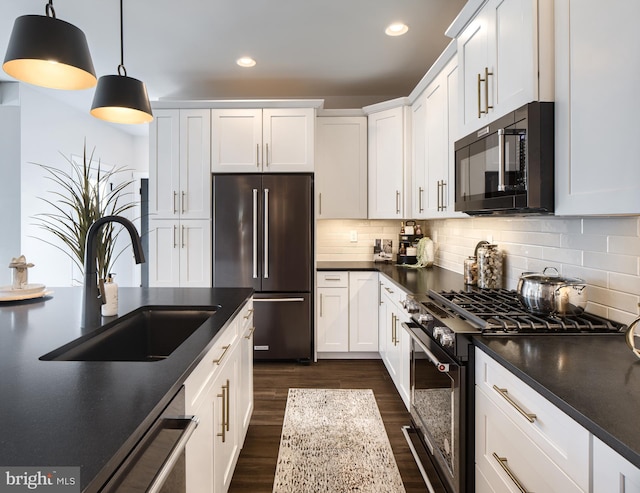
{"type": "Point", "coordinates": [175, 242]}
{"type": "Point", "coordinates": [257, 155]}
{"type": "Point", "coordinates": [444, 202]}
{"type": "Point", "coordinates": [182, 203]}
{"type": "Point", "coordinates": [255, 233]}
{"type": "Point", "coordinates": [320, 204]}
{"type": "Point", "coordinates": [397, 202]}
{"type": "Point", "coordinates": [175, 196]}
{"type": "Point", "coordinates": [321, 300]}
{"type": "Point", "coordinates": [505, 393]}
{"type": "Point", "coordinates": [266, 158]}
{"type": "Point", "coordinates": [182, 241]}
{"type": "Point", "coordinates": [479, 102]}
{"type": "Point", "coordinates": [266, 233]}
{"type": "Point", "coordinates": [225, 349]}
{"type": "Point", "coordinates": [420, 192]}
{"type": "Point", "coordinates": [380, 294]}
{"type": "Point", "coordinates": [332, 278]}
{"type": "Point", "coordinates": [503, 463]}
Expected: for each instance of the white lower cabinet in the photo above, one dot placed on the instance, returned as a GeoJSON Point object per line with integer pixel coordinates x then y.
{"type": "Point", "coordinates": [612, 472]}
{"type": "Point", "coordinates": [393, 339]}
{"type": "Point", "coordinates": [347, 312]}
{"type": "Point", "coordinates": [219, 392]}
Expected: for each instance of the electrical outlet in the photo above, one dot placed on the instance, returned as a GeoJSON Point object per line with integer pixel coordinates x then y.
{"type": "Point", "coordinates": [353, 236]}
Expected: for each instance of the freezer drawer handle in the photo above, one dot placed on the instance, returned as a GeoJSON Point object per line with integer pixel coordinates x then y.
{"type": "Point", "coordinates": [279, 299]}
{"type": "Point", "coordinates": [175, 454]}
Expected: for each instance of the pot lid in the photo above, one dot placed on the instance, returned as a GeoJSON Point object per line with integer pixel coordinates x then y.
{"type": "Point", "coordinates": [550, 275]}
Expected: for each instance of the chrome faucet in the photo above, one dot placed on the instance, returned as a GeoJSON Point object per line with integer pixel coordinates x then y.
{"type": "Point", "coordinates": [93, 296]}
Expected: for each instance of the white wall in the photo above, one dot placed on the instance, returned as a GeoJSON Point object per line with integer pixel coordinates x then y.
{"type": "Point", "coordinates": [604, 251]}
{"type": "Point", "coordinates": [50, 127]}
{"type": "Point", "coordinates": [9, 192]}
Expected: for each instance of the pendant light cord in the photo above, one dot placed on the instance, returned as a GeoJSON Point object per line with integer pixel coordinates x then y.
{"type": "Point", "coordinates": [121, 66]}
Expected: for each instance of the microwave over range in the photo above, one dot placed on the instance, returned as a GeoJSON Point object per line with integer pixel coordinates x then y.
{"type": "Point", "coordinates": [507, 167]}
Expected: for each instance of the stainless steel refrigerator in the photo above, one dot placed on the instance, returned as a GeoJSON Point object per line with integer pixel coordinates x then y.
{"type": "Point", "coordinates": [263, 238]}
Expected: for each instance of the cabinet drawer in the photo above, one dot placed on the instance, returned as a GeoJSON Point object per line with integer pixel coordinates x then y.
{"type": "Point", "coordinates": [332, 279]}
{"type": "Point", "coordinates": [506, 457]}
{"type": "Point", "coordinates": [554, 432]}
{"type": "Point", "coordinates": [246, 318]}
{"type": "Point", "coordinates": [200, 378]}
{"type": "Point", "coordinates": [395, 293]}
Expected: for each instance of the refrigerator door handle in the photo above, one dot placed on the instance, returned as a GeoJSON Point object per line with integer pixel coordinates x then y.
{"type": "Point", "coordinates": [266, 233]}
{"type": "Point", "coordinates": [255, 233]}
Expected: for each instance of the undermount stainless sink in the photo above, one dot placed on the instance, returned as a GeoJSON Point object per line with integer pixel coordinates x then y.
{"type": "Point", "coordinates": [147, 334]}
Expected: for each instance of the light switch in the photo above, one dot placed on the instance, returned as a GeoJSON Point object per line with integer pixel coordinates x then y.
{"type": "Point", "coordinates": [353, 236]}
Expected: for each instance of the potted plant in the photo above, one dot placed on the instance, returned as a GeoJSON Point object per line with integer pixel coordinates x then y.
{"type": "Point", "coordinates": [80, 197]}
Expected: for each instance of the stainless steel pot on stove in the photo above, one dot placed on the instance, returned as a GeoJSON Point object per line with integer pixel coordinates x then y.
{"type": "Point", "coordinates": [548, 293]}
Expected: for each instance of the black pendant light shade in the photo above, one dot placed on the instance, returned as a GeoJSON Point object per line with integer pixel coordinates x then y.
{"type": "Point", "coordinates": [121, 99]}
{"type": "Point", "coordinates": [49, 52]}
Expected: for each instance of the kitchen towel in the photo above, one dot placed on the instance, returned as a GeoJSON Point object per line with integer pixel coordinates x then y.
{"type": "Point", "coordinates": [333, 440]}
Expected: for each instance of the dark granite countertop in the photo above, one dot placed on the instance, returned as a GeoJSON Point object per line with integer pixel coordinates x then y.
{"type": "Point", "coordinates": [90, 414]}
{"type": "Point", "coordinates": [594, 379]}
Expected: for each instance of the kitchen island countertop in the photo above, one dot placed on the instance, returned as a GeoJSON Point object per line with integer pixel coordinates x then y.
{"type": "Point", "coordinates": [90, 413]}
{"type": "Point", "coordinates": [595, 379]}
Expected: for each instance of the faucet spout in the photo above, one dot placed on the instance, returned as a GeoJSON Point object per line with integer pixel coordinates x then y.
{"type": "Point", "coordinates": [92, 298]}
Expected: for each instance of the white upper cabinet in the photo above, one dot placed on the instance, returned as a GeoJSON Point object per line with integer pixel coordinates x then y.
{"type": "Point", "coordinates": [386, 163]}
{"type": "Point", "coordinates": [341, 167]}
{"type": "Point", "coordinates": [505, 55]}
{"type": "Point", "coordinates": [262, 140]}
{"type": "Point", "coordinates": [433, 130]}
{"type": "Point", "coordinates": [179, 164]}
{"type": "Point", "coordinates": [596, 110]}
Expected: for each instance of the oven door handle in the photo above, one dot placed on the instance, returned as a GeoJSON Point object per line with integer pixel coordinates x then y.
{"type": "Point", "coordinates": [442, 367]}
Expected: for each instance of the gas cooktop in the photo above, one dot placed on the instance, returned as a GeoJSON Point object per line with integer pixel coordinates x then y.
{"type": "Point", "coordinates": [499, 311]}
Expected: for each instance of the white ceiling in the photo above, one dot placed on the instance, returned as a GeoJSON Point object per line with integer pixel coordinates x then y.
{"type": "Point", "coordinates": [334, 50]}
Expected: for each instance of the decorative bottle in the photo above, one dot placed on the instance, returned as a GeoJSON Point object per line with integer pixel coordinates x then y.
{"type": "Point", "coordinates": [110, 308]}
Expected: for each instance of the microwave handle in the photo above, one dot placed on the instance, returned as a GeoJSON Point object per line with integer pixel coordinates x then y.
{"type": "Point", "coordinates": [501, 160]}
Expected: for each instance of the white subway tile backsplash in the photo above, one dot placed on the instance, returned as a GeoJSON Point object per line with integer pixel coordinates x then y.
{"type": "Point", "coordinates": [624, 264]}
{"type": "Point", "coordinates": [619, 226]}
{"type": "Point", "coordinates": [604, 251]}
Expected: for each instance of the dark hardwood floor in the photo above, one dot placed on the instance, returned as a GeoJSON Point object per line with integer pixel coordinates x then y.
{"type": "Point", "coordinates": [257, 463]}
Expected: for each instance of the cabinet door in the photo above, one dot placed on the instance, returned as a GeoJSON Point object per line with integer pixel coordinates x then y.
{"type": "Point", "coordinates": [164, 253]}
{"type": "Point", "coordinates": [612, 472]}
{"type": "Point", "coordinates": [419, 158]}
{"type": "Point", "coordinates": [226, 422]}
{"type": "Point", "coordinates": [596, 108]}
{"type": "Point", "coordinates": [473, 49]}
{"type": "Point", "coordinates": [288, 138]}
{"type": "Point", "coordinates": [384, 321]}
{"type": "Point", "coordinates": [386, 163]}
{"type": "Point", "coordinates": [164, 163]}
{"type": "Point", "coordinates": [245, 396]}
{"type": "Point", "coordinates": [333, 319]}
{"type": "Point", "coordinates": [195, 253]}
{"type": "Point", "coordinates": [195, 164]}
{"type": "Point", "coordinates": [437, 140]}
{"type": "Point", "coordinates": [363, 311]}
{"type": "Point", "coordinates": [236, 140]}
{"type": "Point", "coordinates": [403, 383]}
{"type": "Point", "coordinates": [341, 167]}
{"type": "Point", "coordinates": [199, 450]}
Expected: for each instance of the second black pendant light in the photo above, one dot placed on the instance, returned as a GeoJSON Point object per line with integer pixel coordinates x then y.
{"type": "Point", "coordinates": [119, 98]}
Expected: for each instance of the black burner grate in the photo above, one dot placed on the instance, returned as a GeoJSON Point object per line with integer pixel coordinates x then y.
{"type": "Point", "coordinates": [499, 311]}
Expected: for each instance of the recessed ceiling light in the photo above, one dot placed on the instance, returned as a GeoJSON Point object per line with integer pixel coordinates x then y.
{"type": "Point", "coordinates": [396, 29]}
{"type": "Point", "coordinates": [246, 61]}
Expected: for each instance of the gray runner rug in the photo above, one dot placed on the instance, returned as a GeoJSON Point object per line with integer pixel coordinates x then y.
{"type": "Point", "coordinates": [334, 441]}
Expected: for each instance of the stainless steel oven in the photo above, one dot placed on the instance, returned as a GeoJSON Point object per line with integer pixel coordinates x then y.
{"type": "Point", "coordinates": [438, 408]}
